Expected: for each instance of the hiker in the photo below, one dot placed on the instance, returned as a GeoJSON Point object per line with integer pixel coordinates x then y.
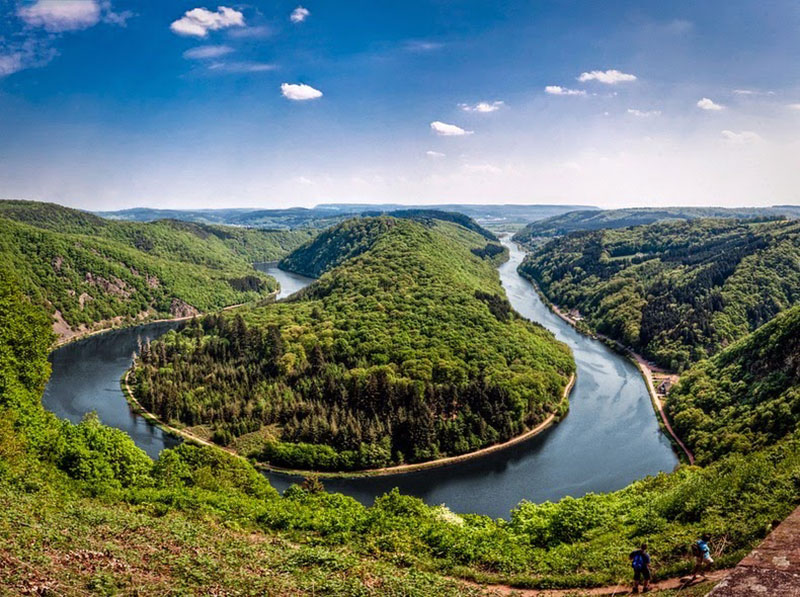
{"type": "Point", "coordinates": [640, 560]}
{"type": "Point", "coordinates": [702, 556]}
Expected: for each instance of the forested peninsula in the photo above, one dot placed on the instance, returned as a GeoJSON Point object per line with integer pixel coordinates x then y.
{"type": "Point", "coordinates": [405, 350]}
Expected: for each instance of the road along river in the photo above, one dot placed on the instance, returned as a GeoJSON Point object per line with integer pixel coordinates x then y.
{"type": "Point", "coordinates": [609, 438]}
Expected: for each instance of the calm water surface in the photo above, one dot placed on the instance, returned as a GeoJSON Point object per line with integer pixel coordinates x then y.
{"type": "Point", "coordinates": [610, 437]}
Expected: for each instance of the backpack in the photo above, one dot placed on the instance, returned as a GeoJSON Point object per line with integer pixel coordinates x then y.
{"type": "Point", "coordinates": [696, 551]}
{"type": "Point", "coordinates": [638, 561]}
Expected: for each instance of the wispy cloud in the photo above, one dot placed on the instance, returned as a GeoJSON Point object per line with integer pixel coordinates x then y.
{"type": "Point", "coordinates": [299, 14]}
{"type": "Point", "coordinates": [643, 113]}
{"type": "Point", "coordinates": [708, 104]}
{"type": "Point", "coordinates": [741, 138]}
{"type": "Point", "coordinates": [608, 77]}
{"type": "Point", "coordinates": [32, 52]}
{"type": "Point", "coordinates": [448, 130]}
{"type": "Point", "coordinates": [61, 15]}
{"type": "Point", "coordinates": [299, 91]}
{"type": "Point", "coordinates": [199, 21]}
{"type": "Point", "coordinates": [482, 107]}
{"type": "Point", "coordinates": [421, 45]}
{"type": "Point", "coordinates": [242, 67]}
{"type": "Point", "coordinates": [436, 155]}
{"type": "Point", "coordinates": [752, 92]}
{"type": "Point", "coordinates": [793, 106]}
{"type": "Point", "coordinates": [251, 32]}
{"type": "Point", "coordinates": [558, 90]}
{"type": "Point", "coordinates": [204, 52]}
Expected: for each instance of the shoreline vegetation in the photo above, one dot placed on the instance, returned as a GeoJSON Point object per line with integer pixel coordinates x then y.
{"type": "Point", "coordinates": [645, 369]}
{"type": "Point", "coordinates": [399, 469]}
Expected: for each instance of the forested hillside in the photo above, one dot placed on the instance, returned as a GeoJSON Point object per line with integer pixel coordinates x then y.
{"type": "Point", "coordinates": [744, 398]}
{"type": "Point", "coordinates": [404, 350]}
{"type": "Point", "coordinates": [89, 271]}
{"type": "Point", "coordinates": [676, 291]}
{"type": "Point", "coordinates": [536, 232]}
{"type": "Point", "coordinates": [85, 511]}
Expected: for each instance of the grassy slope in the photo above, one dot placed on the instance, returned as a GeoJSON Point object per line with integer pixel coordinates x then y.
{"type": "Point", "coordinates": [92, 270]}
{"type": "Point", "coordinates": [676, 291]}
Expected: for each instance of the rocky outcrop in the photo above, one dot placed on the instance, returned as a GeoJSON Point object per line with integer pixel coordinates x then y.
{"type": "Point", "coordinates": [772, 568]}
{"type": "Point", "coordinates": [179, 308]}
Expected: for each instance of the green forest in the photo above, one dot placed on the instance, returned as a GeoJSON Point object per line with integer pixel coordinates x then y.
{"type": "Point", "coordinates": [678, 292]}
{"type": "Point", "coordinates": [84, 510]}
{"type": "Point", "coordinates": [404, 350]}
{"type": "Point", "coordinates": [88, 271]}
{"type": "Point", "coordinates": [744, 398]}
{"type": "Point", "coordinates": [596, 219]}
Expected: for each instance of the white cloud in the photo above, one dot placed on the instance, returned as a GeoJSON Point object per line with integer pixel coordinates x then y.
{"type": "Point", "coordinates": [741, 138]}
{"type": "Point", "coordinates": [482, 107]}
{"type": "Point", "coordinates": [299, 91]}
{"type": "Point", "coordinates": [448, 130]}
{"type": "Point", "coordinates": [242, 67]}
{"type": "Point", "coordinates": [436, 155]}
{"type": "Point", "coordinates": [203, 52]}
{"type": "Point", "coordinates": [643, 113]}
{"type": "Point", "coordinates": [114, 18]}
{"type": "Point", "coordinates": [61, 15]}
{"type": "Point", "coordinates": [609, 77]}
{"type": "Point", "coordinates": [299, 14]}
{"type": "Point", "coordinates": [794, 106]}
{"type": "Point", "coordinates": [707, 104]}
{"type": "Point", "coordinates": [199, 21]}
{"type": "Point", "coordinates": [10, 63]}
{"type": "Point", "coordinates": [558, 90]}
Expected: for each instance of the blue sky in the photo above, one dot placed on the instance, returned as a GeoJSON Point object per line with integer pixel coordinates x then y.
{"type": "Point", "coordinates": [111, 104]}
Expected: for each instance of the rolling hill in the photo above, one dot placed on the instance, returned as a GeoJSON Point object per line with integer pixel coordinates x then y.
{"type": "Point", "coordinates": [90, 272]}
{"type": "Point", "coordinates": [675, 291]}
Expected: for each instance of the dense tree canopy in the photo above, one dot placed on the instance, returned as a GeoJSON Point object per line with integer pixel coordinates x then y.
{"type": "Point", "coordinates": [676, 291]}
{"type": "Point", "coordinates": [199, 520]}
{"type": "Point", "coordinates": [744, 398]}
{"type": "Point", "coordinates": [87, 270]}
{"type": "Point", "coordinates": [404, 350]}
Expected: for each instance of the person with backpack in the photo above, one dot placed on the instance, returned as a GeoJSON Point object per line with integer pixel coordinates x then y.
{"type": "Point", "coordinates": [640, 560]}
{"type": "Point", "coordinates": [702, 555]}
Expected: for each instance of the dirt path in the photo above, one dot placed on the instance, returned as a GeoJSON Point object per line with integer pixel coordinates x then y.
{"type": "Point", "coordinates": [620, 589]}
{"type": "Point", "coordinates": [391, 470]}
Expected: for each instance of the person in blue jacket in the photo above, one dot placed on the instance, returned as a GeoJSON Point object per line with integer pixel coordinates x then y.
{"type": "Point", "coordinates": [702, 555]}
{"type": "Point", "coordinates": [640, 561]}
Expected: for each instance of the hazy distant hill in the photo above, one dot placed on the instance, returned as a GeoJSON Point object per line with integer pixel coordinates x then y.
{"type": "Point", "coordinates": [510, 216]}
{"type": "Point", "coordinates": [623, 218]}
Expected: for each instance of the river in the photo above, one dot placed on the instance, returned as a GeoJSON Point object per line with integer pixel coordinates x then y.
{"type": "Point", "coordinates": [609, 438]}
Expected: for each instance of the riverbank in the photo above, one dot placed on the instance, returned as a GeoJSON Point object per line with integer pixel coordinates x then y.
{"type": "Point", "coordinates": [399, 469]}
{"type": "Point", "coordinates": [644, 367]}
{"type": "Point", "coordinates": [133, 324]}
